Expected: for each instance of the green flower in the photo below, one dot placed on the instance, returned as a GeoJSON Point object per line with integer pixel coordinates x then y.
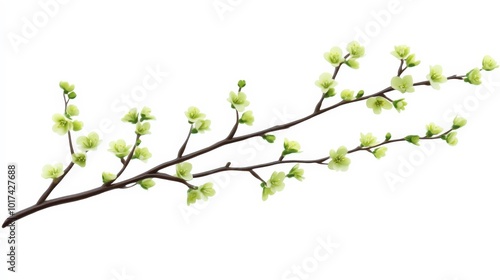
{"type": "Point", "coordinates": [347, 94]}
{"type": "Point", "coordinates": [146, 183]}
{"type": "Point", "coordinates": [141, 154]}
{"type": "Point", "coordinates": [339, 161]}
{"type": "Point", "coordinates": [411, 61]}
{"type": "Point", "coordinates": [334, 56]}
{"type": "Point", "coordinates": [202, 192]}
{"type": "Point", "coordinates": [414, 139]}
{"type": "Point", "coordinates": [473, 77]}
{"type": "Point", "coordinates": [273, 185]}
{"type": "Point", "coordinates": [326, 83]}
{"type": "Point", "coordinates": [367, 140]}
{"type": "Point", "coordinates": [269, 138]}
{"type": "Point", "coordinates": [380, 152]}
{"type": "Point", "coordinates": [142, 128]}
{"type": "Point", "coordinates": [52, 171]}
{"type": "Point", "coordinates": [183, 171]}
{"type": "Point", "coordinates": [355, 49]}
{"type": "Point", "coordinates": [404, 84]}
{"type": "Point", "coordinates": [72, 110]}
{"type": "Point", "coordinates": [489, 63]}
{"type": "Point", "coordinates": [296, 173]}
{"type": "Point", "coordinates": [201, 126]}
{"type": "Point", "coordinates": [119, 148]}
{"type": "Point", "coordinates": [399, 104]}
{"type": "Point", "coordinates": [377, 104]}
{"type": "Point", "coordinates": [146, 114]}
{"type": "Point", "coordinates": [79, 158]}
{"type": "Point", "coordinates": [66, 86]}
{"type": "Point", "coordinates": [61, 124]}
{"type": "Point", "coordinates": [401, 51]}
{"type": "Point", "coordinates": [88, 142]}
{"type": "Point", "coordinates": [458, 122]}
{"type": "Point", "coordinates": [353, 63]}
{"type": "Point", "coordinates": [247, 118]}
{"type": "Point", "coordinates": [290, 147]}
{"type": "Point", "coordinates": [451, 138]}
{"type": "Point", "coordinates": [77, 125]}
{"type": "Point", "coordinates": [435, 76]}
{"type": "Point", "coordinates": [193, 114]}
{"type": "Point", "coordinates": [132, 116]}
{"type": "Point", "coordinates": [108, 177]}
{"type": "Point", "coordinates": [433, 129]}
{"type": "Point", "coordinates": [238, 101]}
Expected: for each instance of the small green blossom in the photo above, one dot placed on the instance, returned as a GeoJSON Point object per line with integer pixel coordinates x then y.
{"type": "Point", "coordinates": [193, 196]}
{"type": "Point", "coordinates": [202, 192]}
{"type": "Point", "coordinates": [400, 104]}
{"type": "Point", "coordinates": [411, 61]}
{"type": "Point", "coordinates": [433, 129]}
{"type": "Point", "coordinates": [142, 128]}
{"type": "Point", "coordinates": [193, 114]}
{"type": "Point", "coordinates": [77, 125]}
{"type": "Point", "coordinates": [183, 171]}
{"type": "Point", "coordinates": [146, 183]}
{"type": "Point", "coordinates": [201, 126]}
{"type": "Point", "coordinates": [132, 116]}
{"type": "Point", "coordinates": [355, 49]}
{"type": "Point", "coordinates": [326, 83]}
{"type": "Point", "coordinates": [61, 124]}
{"type": "Point", "coordinates": [89, 142]}
{"type": "Point", "coordinates": [414, 139]}
{"type": "Point", "coordinates": [238, 101]}
{"type": "Point", "coordinates": [66, 86]}
{"type": "Point", "coordinates": [273, 185]}
{"type": "Point", "coordinates": [367, 140]}
{"type": "Point", "coordinates": [473, 77]}
{"type": "Point", "coordinates": [79, 158]}
{"type": "Point", "coordinates": [296, 172]}
{"type": "Point", "coordinates": [339, 161]}
{"type": "Point", "coordinates": [290, 147]}
{"type": "Point", "coordinates": [378, 103]}
{"type": "Point", "coordinates": [489, 63]}
{"type": "Point", "coordinates": [119, 148]}
{"type": "Point", "coordinates": [247, 118]}
{"type": "Point", "coordinates": [458, 122]}
{"type": "Point", "coordinates": [435, 76]}
{"type": "Point", "coordinates": [380, 152]}
{"type": "Point", "coordinates": [141, 154]}
{"type": "Point", "coordinates": [404, 84]}
{"type": "Point", "coordinates": [334, 56]}
{"type": "Point", "coordinates": [347, 94]}
{"type": "Point", "coordinates": [72, 110]}
{"type": "Point", "coordinates": [207, 190]}
{"type": "Point", "coordinates": [108, 177]}
{"type": "Point", "coordinates": [401, 51]}
{"type": "Point", "coordinates": [353, 63]}
{"type": "Point", "coordinates": [269, 138]}
{"type": "Point", "coordinates": [451, 138]}
{"type": "Point", "coordinates": [146, 114]}
{"type": "Point", "coordinates": [52, 171]}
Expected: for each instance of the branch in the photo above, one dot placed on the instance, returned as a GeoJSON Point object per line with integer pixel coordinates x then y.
{"type": "Point", "coordinates": [183, 147]}
{"type": "Point", "coordinates": [235, 127]}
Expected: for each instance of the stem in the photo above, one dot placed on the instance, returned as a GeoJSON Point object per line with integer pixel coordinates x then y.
{"type": "Point", "coordinates": [235, 127]}
{"type": "Point", "coordinates": [335, 73]}
{"type": "Point", "coordinates": [183, 147]}
{"type": "Point", "coordinates": [127, 161]}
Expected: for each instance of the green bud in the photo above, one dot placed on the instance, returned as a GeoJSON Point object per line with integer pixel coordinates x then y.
{"type": "Point", "coordinates": [131, 116]}
{"type": "Point", "coordinates": [451, 138]}
{"type": "Point", "coordinates": [411, 61]}
{"type": "Point", "coordinates": [414, 139]}
{"type": "Point", "coordinates": [146, 183]}
{"type": "Point", "coordinates": [79, 159]}
{"type": "Point", "coordinates": [433, 129]}
{"type": "Point", "coordinates": [77, 125]}
{"type": "Point", "coordinates": [296, 172]}
{"type": "Point", "coordinates": [72, 95]}
{"type": "Point", "coordinates": [400, 104]}
{"type": "Point", "coordinates": [473, 77]}
{"type": "Point", "coordinates": [146, 114]}
{"type": "Point", "coordinates": [269, 138]}
{"type": "Point", "coordinates": [489, 63]}
{"type": "Point", "coordinates": [388, 136]}
{"type": "Point", "coordinates": [347, 95]}
{"type": "Point", "coordinates": [331, 92]}
{"type": "Point", "coordinates": [458, 122]}
{"type": "Point", "coordinates": [72, 110]}
{"type": "Point", "coordinates": [360, 94]}
{"type": "Point", "coordinates": [290, 147]}
{"type": "Point", "coordinates": [242, 83]}
{"type": "Point", "coordinates": [353, 63]}
{"type": "Point", "coordinates": [52, 171]}
{"type": "Point", "coordinates": [108, 177]}
{"type": "Point", "coordinates": [247, 118]}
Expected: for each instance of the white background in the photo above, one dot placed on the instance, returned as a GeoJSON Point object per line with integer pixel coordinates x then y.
{"type": "Point", "coordinates": [437, 218]}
